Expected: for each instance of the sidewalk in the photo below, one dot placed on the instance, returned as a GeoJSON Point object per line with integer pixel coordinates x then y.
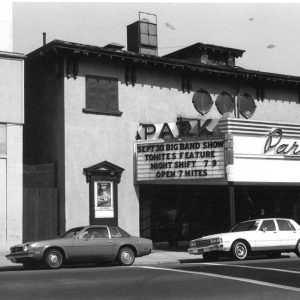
{"type": "Point", "coordinates": [166, 257]}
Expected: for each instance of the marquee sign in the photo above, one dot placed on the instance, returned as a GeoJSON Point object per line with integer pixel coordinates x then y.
{"type": "Point", "coordinates": [180, 160]}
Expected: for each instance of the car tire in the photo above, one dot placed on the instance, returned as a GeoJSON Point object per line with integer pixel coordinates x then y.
{"type": "Point", "coordinates": [239, 250]}
{"type": "Point", "coordinates": [126, 256]}
{"type": "Point", "coordinates": [53, 258]}
{"type": "Point", "coordinates": [210, 256]}
{"type": "Point", "coordinates": [297, 250]}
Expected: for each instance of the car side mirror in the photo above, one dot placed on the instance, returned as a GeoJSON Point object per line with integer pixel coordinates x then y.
{"type": "Point", "coordinates": [264, 229]}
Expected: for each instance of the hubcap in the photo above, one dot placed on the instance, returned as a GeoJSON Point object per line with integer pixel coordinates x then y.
{"type": "Point", "coordinates": [241, 251]}
{"type": "Point", "coordinates": [127, 257]}
{"type": "Point", "coordinates": [54, 259]}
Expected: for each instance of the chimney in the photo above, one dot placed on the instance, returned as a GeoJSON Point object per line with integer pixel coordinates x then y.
{"type": "Point", "coordinates": [142, 35]}
{"type": "Point", "coordinates": [44, 38]}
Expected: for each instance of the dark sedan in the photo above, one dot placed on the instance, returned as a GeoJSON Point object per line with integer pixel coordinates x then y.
{"type": "Point", "coordinates": [94, 243]}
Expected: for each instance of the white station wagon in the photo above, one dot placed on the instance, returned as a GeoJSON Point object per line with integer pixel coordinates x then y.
{"type": "Point", "coordinates": [266, 236]}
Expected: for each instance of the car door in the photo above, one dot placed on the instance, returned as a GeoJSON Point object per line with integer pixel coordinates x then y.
{"type": "Point", "coordinates": [93, 244]}
{"type": "Point", "coordinates": [288, 234]}
{"type": "Point", "coordinates": [267, 236]}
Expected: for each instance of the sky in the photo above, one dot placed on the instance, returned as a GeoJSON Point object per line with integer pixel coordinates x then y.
{"type": "Point", "coordinates": [268, 32]}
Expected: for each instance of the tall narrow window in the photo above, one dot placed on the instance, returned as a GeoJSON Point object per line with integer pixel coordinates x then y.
{"type": "Point", "coordinates": [102, 95]}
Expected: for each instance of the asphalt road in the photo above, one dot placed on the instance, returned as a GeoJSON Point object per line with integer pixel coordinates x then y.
{"type": "Point", "coordinates": [253, 279]}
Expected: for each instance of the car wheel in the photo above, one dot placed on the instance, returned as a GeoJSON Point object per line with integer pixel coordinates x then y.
{"type": "Point", "coordinates": [126, 256]}
{"type": "Point", "coordinates": [53, 259]}
{"type": "Point", "coordinates": [210, 256]}
{"type": "Point", "coordinates": [297, 251]}
{"type": "Point", "coordinates": [239, 250]}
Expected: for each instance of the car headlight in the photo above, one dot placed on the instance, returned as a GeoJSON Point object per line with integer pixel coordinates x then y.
{"type": "Point", "coordinates": [216, 240]}
{"type": "Point", "coordinates": [192, 244]}
{"type": "Point", "coordinates": [26, 247]}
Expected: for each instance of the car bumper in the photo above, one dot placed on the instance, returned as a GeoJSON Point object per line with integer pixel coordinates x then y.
{"type": "Point", "coordinates": [201, 250]}
{"type": "Point", "coordinates": [20, 257]}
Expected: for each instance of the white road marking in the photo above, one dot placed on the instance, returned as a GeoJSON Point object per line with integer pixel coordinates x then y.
{"type": "Point", "coordinates": [252, 267]}
{"type": "Point", "coordinates": [263, 283]}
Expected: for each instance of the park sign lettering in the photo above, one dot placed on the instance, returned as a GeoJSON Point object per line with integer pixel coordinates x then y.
{"type": "Point", "coordinates": [274, 143]}
{"type": "Point", "coordinates": [184, 127]}
{"type": "Point", "coordinates": [194, 159]}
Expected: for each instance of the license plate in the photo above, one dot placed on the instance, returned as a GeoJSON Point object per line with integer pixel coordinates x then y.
{"type": "Point", "coordinates": [198, 251]}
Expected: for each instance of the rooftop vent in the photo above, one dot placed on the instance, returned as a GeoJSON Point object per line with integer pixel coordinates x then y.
{"type": "Point", "coordinates": [207, 54]}
{"type": "Point", "coordinates": [142, 35]}
{"type": "Point", "coordinates": [113, 46]}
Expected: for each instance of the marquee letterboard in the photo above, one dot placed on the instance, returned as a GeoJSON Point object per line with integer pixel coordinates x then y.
{"type": "Point", "coordinates": [184, 160]}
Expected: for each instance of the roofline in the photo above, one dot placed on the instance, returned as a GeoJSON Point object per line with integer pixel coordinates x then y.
{"type": "Point", "coordinates": [82, 49]}
{"type": "Point", "coordinates": [12, 55]}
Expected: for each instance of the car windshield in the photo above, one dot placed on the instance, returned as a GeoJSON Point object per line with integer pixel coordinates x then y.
{"type": "Point", "coordinates": [72, 232]}
{"type": "Point", "coordinates": [245, 226]}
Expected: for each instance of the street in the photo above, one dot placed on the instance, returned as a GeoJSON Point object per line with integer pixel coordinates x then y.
{"type": "Point", "coordinates": [225, 279]}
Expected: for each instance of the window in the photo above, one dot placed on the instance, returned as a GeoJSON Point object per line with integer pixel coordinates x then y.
{"type": "Point", "coordinates": [115, 232]}
{"type": "Point", "coordinates": [285, 225]}
{"type": "Point", "coordinates": [95, 233]}
{"type": "Point", "coordinates": [268, 225]}
{"type": "Point", "coordinates": [102, 95]}
{"type": "Point", "coordinates": [71, 233]}
{"type": "Point", "coordinates": [245, 226]}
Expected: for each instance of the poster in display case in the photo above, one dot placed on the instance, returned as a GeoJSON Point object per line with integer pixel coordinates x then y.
{"type": "Point", "coordinates": [104, 199]}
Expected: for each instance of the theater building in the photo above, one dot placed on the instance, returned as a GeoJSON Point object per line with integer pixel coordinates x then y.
{"type": "Point", "coordinates": [167, 147]}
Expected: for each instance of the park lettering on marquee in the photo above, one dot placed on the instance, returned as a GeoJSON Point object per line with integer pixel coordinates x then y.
{"type": "Point", "coordinates": [273, 142]}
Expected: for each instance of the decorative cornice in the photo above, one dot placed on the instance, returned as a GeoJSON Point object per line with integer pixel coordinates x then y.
{"type": "Point", "coordinates": [104, 169]}
{"type": "Point", "coordinates": [62, 48]}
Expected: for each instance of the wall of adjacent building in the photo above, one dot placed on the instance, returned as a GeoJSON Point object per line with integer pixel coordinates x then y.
{"type": "Point", "coordinates": [44, 129]}
{"type": "Point", "coordinates": [156, 98]}
{"type": "Point", "coordinates": [11, 154]}
{"type": "Point", "coordinates": [6, 26]}
{"type": "Point", "coordinates": [11, 149]}
{"type": "Point", "coordinates": [11, 134]}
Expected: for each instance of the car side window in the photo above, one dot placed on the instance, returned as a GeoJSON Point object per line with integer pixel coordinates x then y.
{"type": "Point", "coordinates": [95, 233]}
{"type": "Point", "coordinates": [284, 225]}
{"type": "Point", "coordinates": [292, 226]}
{"type": "Point", "coordinates": [115, 232]}
{"type": "Point", "coordinates": [268, 225]}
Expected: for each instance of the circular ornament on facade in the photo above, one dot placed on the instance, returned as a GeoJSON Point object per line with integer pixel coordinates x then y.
{"type": "Point", "coordinates": [224, 103]}
{"type": "Point", "coordinates": [202, 101]}
{"type": "Point", "coordinates": [246, 105]}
